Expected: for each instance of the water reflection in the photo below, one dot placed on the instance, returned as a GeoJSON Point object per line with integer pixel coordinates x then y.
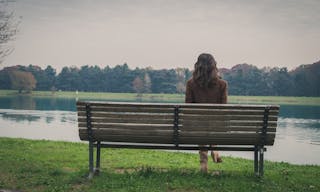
{"type": "Point", "coordinates": [304, 130]}
{"type": "Point", "coordinates": [300, 112]}
{"type": "Point", "coordinates": [32, 103]}
{"type": "Point", "coordinates": [18, 117]}
{"type": "Point", "coordinates": [35, 124]}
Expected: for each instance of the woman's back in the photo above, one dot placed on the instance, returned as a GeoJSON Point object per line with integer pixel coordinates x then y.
{"type": "Point", "coordinates": [215, 93]}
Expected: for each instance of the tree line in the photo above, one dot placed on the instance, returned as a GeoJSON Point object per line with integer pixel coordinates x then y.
{"type": "Point", "coordinates": [243, 79]}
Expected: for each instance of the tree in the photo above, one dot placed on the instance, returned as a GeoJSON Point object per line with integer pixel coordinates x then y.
{"type": "Point", "coordinates": [51, 77]}
{"type": "Point", "coordinates": [22, 80]}
{"type": "Point", "coordinates": [245, 79]}
{"type": "Point", "coordinates": [147, 83]}
{"type": "Point", "coordinates": [306, 80]}
{"type": "Point", "coordinates": [138, 85]}
{"type": "Point", "coordinates": [163, 81]}
{"type": "Point", "coordinates": [181, 88]}
{"type": "Point", "coordinates": [119, 79]}
{"type": "Point", "coordinates": [69, 79]}
{"type": "Point", "coordinates": [181, 79]}
{"type": "Point", "coordinates": [8, 28]}
{"type": "Point", "coordinates": [281, 82]}
{"type": "Point", "coordinates": [91, 78]}
{"type": "Point", "coordinates": [5, 82]}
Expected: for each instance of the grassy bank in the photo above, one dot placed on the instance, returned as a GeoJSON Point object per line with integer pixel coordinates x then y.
{"type": "Point", "coordinates": [167, 97]}
{"type": "Point", "coordinates": [28, 165]}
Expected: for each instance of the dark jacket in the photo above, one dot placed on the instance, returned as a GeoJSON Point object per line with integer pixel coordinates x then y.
{"type": "Point", "coordinates": [216, 93]}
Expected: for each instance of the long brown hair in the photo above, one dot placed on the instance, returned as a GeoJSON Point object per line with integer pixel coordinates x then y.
{"type": "Point", "coordinates": [205, 72]}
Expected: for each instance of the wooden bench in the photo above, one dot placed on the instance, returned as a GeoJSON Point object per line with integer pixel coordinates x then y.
{"type": "Point", "coordinates": [182, 126]}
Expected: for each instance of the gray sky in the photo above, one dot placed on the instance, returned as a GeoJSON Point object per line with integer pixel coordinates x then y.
{"type": "Point", "coordinates": [166, 33]}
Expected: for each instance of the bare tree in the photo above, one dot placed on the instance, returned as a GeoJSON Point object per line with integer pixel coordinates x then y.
{"type": "Point", "coordinates": [8, 28]}
{"type": "Point", "coordinates": [147, 83]}
{"type": "Point", "coordinates": [138, 86]}
{"type": "Point", "coordinates": [181, 77]}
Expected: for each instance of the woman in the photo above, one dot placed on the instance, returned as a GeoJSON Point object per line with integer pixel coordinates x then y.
{"type": "Point", "coordinates": [206, 86]}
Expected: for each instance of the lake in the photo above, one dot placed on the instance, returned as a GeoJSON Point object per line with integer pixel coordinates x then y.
{"type": "Point", "coordinates": [297, 140]}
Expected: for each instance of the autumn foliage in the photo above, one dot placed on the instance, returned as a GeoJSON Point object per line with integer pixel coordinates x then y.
{"type": "Point", "coordinates": [22, 81]}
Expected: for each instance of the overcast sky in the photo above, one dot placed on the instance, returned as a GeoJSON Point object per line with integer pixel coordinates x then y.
{"type": "Point", "coordinates": [166, 33]}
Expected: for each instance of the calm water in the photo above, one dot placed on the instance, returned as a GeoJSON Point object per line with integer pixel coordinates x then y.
{"type": "Point", "coordinates": [297, 140]}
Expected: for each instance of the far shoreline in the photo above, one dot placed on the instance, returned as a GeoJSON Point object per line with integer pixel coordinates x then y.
{"type": "Point", "coordinates": [162, 97]}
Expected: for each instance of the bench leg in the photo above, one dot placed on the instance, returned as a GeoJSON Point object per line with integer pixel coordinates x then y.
{"type": "Point", "coordinates": [97, 170]}
{"type": "Point", "coordinates": [91, 170]}
{"type": "Point", "coordinates": [256, 160]}
{"type": "Point", "coordinates": [261, 162]}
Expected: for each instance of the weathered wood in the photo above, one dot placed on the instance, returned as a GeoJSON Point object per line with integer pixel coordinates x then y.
{"type": "Point", "coordinates": [228, 129]}
{"type": "Point", "coordinates": [182, 140]}
{"type": "Point", "coordinates": [191, 124]}
{"type": "Point", "coordinates": [123, 104]}
{"type": "Point", "coordinates": [227, 106]}
{"type": "Point", "coordinates": [182, 133]}
{"type": "Point", "coordinates": [128, 120]}
{"type": "Point", "coordinates": [128, 109]}
{"type": "Point", "coordinates": [195, 124]}
{"type": "Point", "coordinates": [128, 115]}
{"type": "Point", "coordinates": [193, 117]}
{"type": "Point", "coordinates": [180, 147]}
{"type": "Point", "coordinates": [130, 138]}
{"type": "Point", "coordinates": [124, 132]}
{"type": "Point", "coordinates": [226, 112]}
{"type": "Point", "coordinates": [204, 111]}
{"type": "Point", "coordinates": [182, 105]}
{"type": "Point", "coordinates": [217, 135]}
{"type": "Point", "coordinates": [223, 141]}
{"type": "Point", "coordinates": [197, 137]}
{"type": "Point", "coordinates": [146, 115]}
{"type": "Point", "coordinates": [129, 126]}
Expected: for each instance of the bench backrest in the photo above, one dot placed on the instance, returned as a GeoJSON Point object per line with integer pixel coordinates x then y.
{"type": "Point", "coordinates": [222, 124]}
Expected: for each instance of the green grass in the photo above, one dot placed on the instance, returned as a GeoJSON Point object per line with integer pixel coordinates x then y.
{"type": "Point", "coordinates": [315, 101]}
{"type": "Point", "coordinates": [31, 165]}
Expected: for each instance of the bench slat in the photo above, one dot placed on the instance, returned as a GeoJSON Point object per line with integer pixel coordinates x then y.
{"type": "Point", "coordinates": [129, 109]}
{"type": "Point", "coordinates": [224, 141]}
{"type": "Point", "coordinates": [212, 134]}
{"type": "Point", "coordinates": [225, 117]}
{"type": "Point", "coordinates": [195, 124]}
{"type": "Point", "coordinates": [182, 116]}
{"type": "Point", "coordinates": [128, 115]}
{"type": "Point", "coordinates": [123, 104]}
{"type": "Point", "coordinates": [182, 140]}
{"type": "Point", "coordinates": [216, 129]}
{"type": "Point", "coordinates": [141, 132]}
{"type": "Point", "coordinates": [169, 133]}
{"type": "Point", "coordinates": [128, 126]}
{"type": "Point", "coordinates": [128, 120]}
{"type": "Point", "coordinates": [231, 128]}
{"type": "Point", "coordinates": [230, 111]}
{"type": "Point", "coordinates": [221, 127]}
{"type": "Point", "coordinates": [182, 105]}
{"type": "Point", "coordinates": [226, 112]}
{"type": "Point", "coordinates": [130, 138]}
{"type": "Point", "coordinates": [200, 137]}
{"type": "Point", "coordinates": [227, 106]}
